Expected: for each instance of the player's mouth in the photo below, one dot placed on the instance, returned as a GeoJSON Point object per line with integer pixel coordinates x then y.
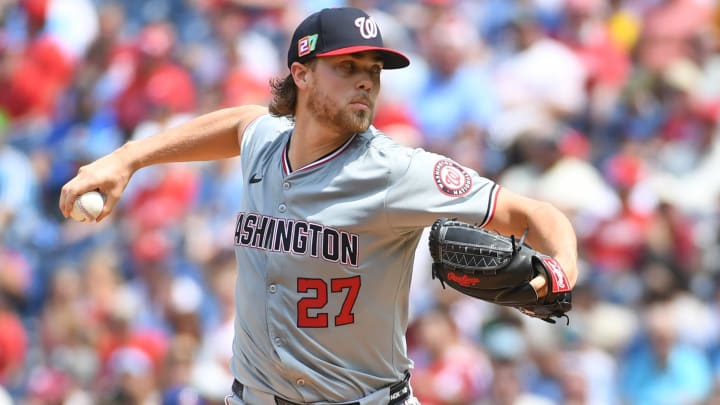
{"type": "Point", "coordinates": [362, 103]}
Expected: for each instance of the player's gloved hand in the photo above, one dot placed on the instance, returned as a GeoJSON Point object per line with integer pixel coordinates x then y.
{"type": "Point", "coordinates": [498, 269]}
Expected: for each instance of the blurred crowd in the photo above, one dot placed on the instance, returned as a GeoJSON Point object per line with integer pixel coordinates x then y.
{"type": "Point", "coordinates": [607, 109]}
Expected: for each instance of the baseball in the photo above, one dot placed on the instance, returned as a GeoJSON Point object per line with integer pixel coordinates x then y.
{"type": "Point", "coordinates": [88, 206]}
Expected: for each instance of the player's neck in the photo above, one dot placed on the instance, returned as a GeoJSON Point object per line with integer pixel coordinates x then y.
{"type": "Point", "coordinates": [310, 142]}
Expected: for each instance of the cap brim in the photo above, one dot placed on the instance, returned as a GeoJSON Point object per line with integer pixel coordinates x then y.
{"type": "Point", "coordinates": [391, 59]}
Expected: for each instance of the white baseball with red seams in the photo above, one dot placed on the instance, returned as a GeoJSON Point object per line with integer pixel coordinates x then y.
{"type": "Point", "coordinates": [88, 206]}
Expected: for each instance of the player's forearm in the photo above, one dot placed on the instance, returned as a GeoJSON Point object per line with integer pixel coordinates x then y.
{"type": "Point", "coordinates": [207, 137]}
{"type": "Point", "coordinates": [552, 233]}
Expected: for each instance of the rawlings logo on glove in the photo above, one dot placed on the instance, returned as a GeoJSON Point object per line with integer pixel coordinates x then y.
{"type": "Point", "coordinates": [497, 269]}
{"type": "Point", "coordinates": [463, 279]}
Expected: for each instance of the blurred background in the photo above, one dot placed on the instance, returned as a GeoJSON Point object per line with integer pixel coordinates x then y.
{"type": "Point", "coordinates": [608, 109]}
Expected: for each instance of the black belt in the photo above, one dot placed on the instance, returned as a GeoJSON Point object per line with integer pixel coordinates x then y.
{"type": "Point", "coordinates": [399, 392]}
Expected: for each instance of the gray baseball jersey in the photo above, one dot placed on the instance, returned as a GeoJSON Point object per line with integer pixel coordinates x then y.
{"type": "Point", "coordinates": [325, 255]}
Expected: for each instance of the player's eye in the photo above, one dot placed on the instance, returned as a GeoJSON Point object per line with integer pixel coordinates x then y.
{"type": "Point", "coordinates": [347, 68]}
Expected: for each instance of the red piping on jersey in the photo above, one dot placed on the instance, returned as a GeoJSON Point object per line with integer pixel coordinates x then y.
{"type": "Point", "coordinates": [493, 204]}
{"type": "Point", "coordinates": [325, 159]}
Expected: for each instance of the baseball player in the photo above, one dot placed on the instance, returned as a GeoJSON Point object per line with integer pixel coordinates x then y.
{"type": "Point", "coordinates": [329, 222]}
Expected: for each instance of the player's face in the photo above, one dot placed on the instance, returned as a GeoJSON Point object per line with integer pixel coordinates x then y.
{"type": "Point", "coordinates": [345, 91]}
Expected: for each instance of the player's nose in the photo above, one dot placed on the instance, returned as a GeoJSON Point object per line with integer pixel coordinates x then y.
{"type": "Point", "coordinates": [364, 84]}
{"type": "Point", "coordinates": [366, 81]}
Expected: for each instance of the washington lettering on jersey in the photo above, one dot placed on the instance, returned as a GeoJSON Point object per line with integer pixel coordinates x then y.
{"type": "Point", "coordinates": [296, 236]}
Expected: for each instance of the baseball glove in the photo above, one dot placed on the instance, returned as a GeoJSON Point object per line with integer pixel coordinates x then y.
{"type": "Point", "coordinates": [497, 269]}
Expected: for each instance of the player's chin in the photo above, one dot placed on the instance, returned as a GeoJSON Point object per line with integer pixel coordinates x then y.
{"type": "Point", "coordinates": [358, 121]}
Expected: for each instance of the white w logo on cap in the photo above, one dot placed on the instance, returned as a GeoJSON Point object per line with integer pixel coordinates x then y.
{"type": "Point", "coordinates": [368, 28]}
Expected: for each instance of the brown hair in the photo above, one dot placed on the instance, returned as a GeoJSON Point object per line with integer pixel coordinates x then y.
{"type": "Point", "coordinates": [284, 92]}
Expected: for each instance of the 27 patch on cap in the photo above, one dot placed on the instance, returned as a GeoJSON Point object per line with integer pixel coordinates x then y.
{"type": "Point", "coordinates": [307, 44]}
{"type": "Point", "coordinates": [451, 178]}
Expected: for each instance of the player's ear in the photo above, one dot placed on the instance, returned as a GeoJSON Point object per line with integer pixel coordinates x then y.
{"type": "Point", "coordinates": [300, 74]}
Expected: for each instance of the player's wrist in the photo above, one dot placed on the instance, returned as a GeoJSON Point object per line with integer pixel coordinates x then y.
{"type": "Point", "coordinates": [569, 267]}
{"type": "Point", "coordinates": [129, 157]}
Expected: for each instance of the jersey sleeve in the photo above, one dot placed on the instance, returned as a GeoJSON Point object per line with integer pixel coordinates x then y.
{"type": "Point", "coordinates": [261, 132]}
{"type": "Point", "coordinates": [431, 186]}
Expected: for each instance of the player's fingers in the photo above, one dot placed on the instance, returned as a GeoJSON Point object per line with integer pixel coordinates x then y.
{"type": "Point", "coordinates": [108, 175]}
{"type": "Point", "coordinates": [110, 200]}
{"type": "Point", "coordinates": [68, 194]}
{"type": "Point", "coordinates": [61, 202]}
{"type": "Point", "coordinates": [72, 190]}
{"type": "Point", "coordinates": [96, 176]}
{"type": "Point", "coordinates": [540, 285]}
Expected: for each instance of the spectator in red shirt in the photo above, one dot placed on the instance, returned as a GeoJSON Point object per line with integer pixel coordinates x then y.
{"type": "Point", "coordinates": [456, 370]}
{"type": "Point", "coordinates": [159, 85]}
{"type": "Point", "coordinates": [13, 345]}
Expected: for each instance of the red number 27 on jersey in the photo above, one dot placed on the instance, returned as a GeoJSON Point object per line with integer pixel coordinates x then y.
{"type": "Point", "coordinates": [350, 286]}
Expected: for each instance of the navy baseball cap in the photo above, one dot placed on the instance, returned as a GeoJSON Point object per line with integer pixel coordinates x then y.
{"type": "Point", "coordinates": [340, 31]}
